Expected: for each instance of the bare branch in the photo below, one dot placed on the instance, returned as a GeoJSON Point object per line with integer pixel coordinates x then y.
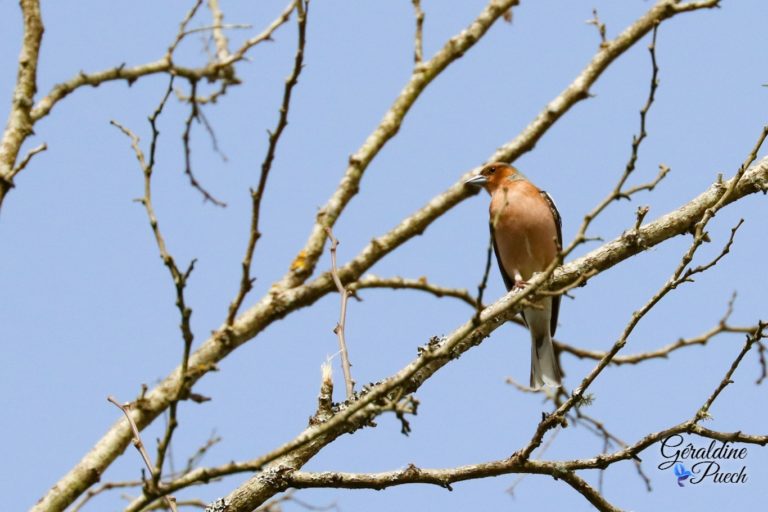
{"type": "Point", "coordinates": [600, 26]}
{"type": "Point", "coordinates": [418, 45]}
{"type": "Point", "coordinates": [609, 439]}
{"type": "Point", "coordinates": [194, 460]}
{"type": "Point", "coordinates": [422, 283]}
{"type": "Point", "coordinates": [213, 28]}
{"type": "Point", "coordinates": [752, 338]}
{"type": "Point", "coordinates": [202, 100]}
{"type": "Point", "coordinates": [194, 114]}
{"type": "Point", "coordinates": [339, 329]}
{"type": "Point", "coordinates": [286, 477]}
{"type": "Point", "coordinates": [285, 298]}
{"type": "Point", "coordinates": [20, 120]}
{"type": "Point", "coordinates": [660, 353]}
{"type": "Point", "coordinates": [578, 90]}
{"type": "Point", "coordinates": [305, 261]}
{"type": "Point", "coordinates": [107, 486]}
{"type": "Point", "coordinates": [484, 280]}
{"type": "Point", "coordinates": [522, 387]}
{"type": "Point", "coordinates": [182, 29]}
{"type": "Point", "coordinates": [246, 282]}
{"type": "Point", "coordinates": [212, 134]}
{"type": "Point", "coordinates": [222, 45]}
{"type": "Point", "coordinates": [464, 338]}
{"type": "Point", "coordinates": [681, 275]}
{"type": "Point", "coordinates": [590, 493]}
{"type": "Point", "coordinates": [169, 500]}
{"type": "Point", "coordinates": [618, 193]}
{"type": "Point", "coordinates": [25, 113]}
{"type": "Point", "coordinates": [179, 279]}
{"type": "Point", "coordinates": [27, 158]}
{"type": "Point", "coordinates": [446, 477]}
{"type": "Point", "coordinates": [212, 70]}
{"type": "Point", "coordinates": [518, 463]}
{"type": "Point", "coordinates": [433, 357]}
{"type": "Point", "coordinates": [762, 360]}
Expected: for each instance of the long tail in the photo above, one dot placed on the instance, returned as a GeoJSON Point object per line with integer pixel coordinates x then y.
{"type": "Point", "coordinates": [544, 368]}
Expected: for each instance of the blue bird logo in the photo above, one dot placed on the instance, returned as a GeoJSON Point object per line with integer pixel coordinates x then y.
{"type": "Point", "coordinates": [681, 473]}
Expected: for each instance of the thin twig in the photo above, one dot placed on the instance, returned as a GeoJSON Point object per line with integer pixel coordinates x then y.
{"type": "Point", "coordinates": [185, 138]}
{"type": "Point", "coordinates": [246, 281]}
{"type": "Point", "coordinates": [216, 70]}
{"type": "Point", "coordinates": [275, 505]}
{"type": "Point", "coordinates": [484, 280]}
{"type": "Point", "coordinates": [600, 26]}
{"type": "Point", "coordinates": [609, 438]}
{"type": "Point", "coordinates": [418, 45]}
{"type": "Point", "coordinates": [193, 503]}
{"type": "Point", "coordinates": [27, 158]}
{"type": "Point", "coordinates": [522, 387]}
{"type": "Point", "coordinates": [339, 329]}
{"type": "Point", "coordinates": [752, 338]}
{"type": "Point", "coordinates": [210, 98]}
{"type": "Point", "coordinates": [590, 493]}
{"type": "Point", "coordinates": [422, 75]}
{"type": "Point", "coordinates": [722, 327]}
{"type": "Point", "coordinates": [137, 442]}
{"type": "Point", "coordinates": [107, 486]}
{"type": "Point", "coordinates": [179, 279]}
{"type": "Point", "coordinates": [222, 45]}
{"type": "Point", "coordinates": [618, 193]}
{"type": "Point", "coordinates": [223, 26]}
{"type": "Point", "coordinates": [762, 360]}
{"type": "Point", "coordinates": [182, 29]}
{"type": "Point", "coordinates": [511, 489]}
{"type": "Point", "coordinates": [421, 283]}
{"type": "Point", "coordinates": [212, 134]}
{"type": "Point", "coordinates": [194, 460]}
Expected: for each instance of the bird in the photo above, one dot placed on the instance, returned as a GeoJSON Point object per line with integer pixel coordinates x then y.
{"type": "Point", "coordinates": [526, 232]}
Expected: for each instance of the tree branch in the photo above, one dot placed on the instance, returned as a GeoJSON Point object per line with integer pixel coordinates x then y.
{"type": "Point", "coordinates": [283, 299]}
{"type": "Point", "coordinates": [418, 44]}
{"type": "Point", "coordinates": [25, 113]}
{"type": "Point", "coordinates": [340, 326]}
{"type": "Point", "coordinates": [211, 71]}
{"type": "Point", "coordinates": [723, 194]}
{"type": "Point", "coordinates": [194, 115]}
{"type": "Point", "coordinates": [20, 121]}
{"type": "Point", "coordinates": [222, 45]}
{"type": "Point", "coordinates": [662, 352]}
{"type": "Point", "coordinates": [402, 283]}
{"type": "Point", "coordinates": [179, 279]}
{"type": "Point", "coordinates": [441, 351]}
{"type": "Point", "coordinates": [285, 477]}
{"type": "Point", "coordinates": [305, 261]}
{"type": "Point", "coordinates": [246, 282]}
{"type": "Point", "coordinates": [170, 501]}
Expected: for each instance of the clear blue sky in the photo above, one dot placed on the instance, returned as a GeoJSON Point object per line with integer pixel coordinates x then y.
{"type": "Point", "coordinates": [87, 307]}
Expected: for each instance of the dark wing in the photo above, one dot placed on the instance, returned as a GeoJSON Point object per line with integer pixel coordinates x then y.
{"type": "Point", "coordinates": [559, 225]}
{"type": "Point", "coordinates": [507, 281]}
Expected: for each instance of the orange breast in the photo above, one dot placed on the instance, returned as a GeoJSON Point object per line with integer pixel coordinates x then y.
{"type": "Point", "coordinates": [524, 229]}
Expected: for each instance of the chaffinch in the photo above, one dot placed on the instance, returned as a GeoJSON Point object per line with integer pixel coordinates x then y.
{"type": "Point", "coordinates": [527, 235]}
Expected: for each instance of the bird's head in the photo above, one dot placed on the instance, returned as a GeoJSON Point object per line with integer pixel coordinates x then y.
{"type": "Point", "coordinates": [494, 176]}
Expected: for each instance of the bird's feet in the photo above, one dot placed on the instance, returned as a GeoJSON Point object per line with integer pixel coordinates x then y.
{"type": "Point", "coordinates": [520, 284]}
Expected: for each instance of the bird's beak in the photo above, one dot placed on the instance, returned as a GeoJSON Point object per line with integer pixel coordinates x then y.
{"type": "Point", "coordinates": [477, 181]}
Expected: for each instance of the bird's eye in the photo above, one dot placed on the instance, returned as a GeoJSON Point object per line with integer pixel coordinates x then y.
{"type": "Point", "coordinates": [492, 170]}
